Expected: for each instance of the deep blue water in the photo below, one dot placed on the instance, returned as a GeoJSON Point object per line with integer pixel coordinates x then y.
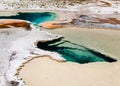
{"type": "Point", "coordinates": [34, 17]}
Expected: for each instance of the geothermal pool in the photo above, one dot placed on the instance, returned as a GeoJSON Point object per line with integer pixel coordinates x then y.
{"type": "Point", "coordinates": [34, 17]}
{"type": "Point", "coordinates": [74, 52]}
{"type": "Point", "coordinates": [67, 48]}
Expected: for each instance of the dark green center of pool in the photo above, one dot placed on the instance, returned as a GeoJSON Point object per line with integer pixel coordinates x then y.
{"type": "Point", "coordinates": [70, 51]}
{"type": "Point", "coordinates": [75, 52]}
{"type": "Point", "coordinates": [34, 17]}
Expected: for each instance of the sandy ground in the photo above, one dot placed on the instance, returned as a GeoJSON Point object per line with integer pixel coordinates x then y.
{"type": "Point", "coordinates": [46, 72]}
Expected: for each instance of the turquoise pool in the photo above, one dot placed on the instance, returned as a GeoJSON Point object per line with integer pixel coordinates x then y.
{"type": "Point", "coordinates": [69, 50]}
{"type": "Point", "coordinates": [34, 17]}
{"type": "Point", "coordinates": [74, 52]}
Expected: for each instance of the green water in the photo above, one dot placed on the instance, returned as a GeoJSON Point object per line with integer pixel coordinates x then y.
{"type": "Point", "coordinates": [75, 53]}
{"type": "Point", "coordinates": [34, 17]}
{"type": "Point", "coordinates": [78, 54]}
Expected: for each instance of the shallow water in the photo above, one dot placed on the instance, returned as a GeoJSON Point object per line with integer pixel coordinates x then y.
{"type": "Point", "coordinates": [34, 17]}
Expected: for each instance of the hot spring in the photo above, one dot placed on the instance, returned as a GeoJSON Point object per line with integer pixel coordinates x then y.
{"type": "Point", "coordinates": [68, 49]}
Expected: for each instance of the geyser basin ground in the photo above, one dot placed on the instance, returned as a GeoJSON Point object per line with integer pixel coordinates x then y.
{"type": "Point", "coordinates": [71, 52]}
{"type": "Point", "coordinates": [43, 71]}
{"type": "Point", "coordinates": [34, 17]}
